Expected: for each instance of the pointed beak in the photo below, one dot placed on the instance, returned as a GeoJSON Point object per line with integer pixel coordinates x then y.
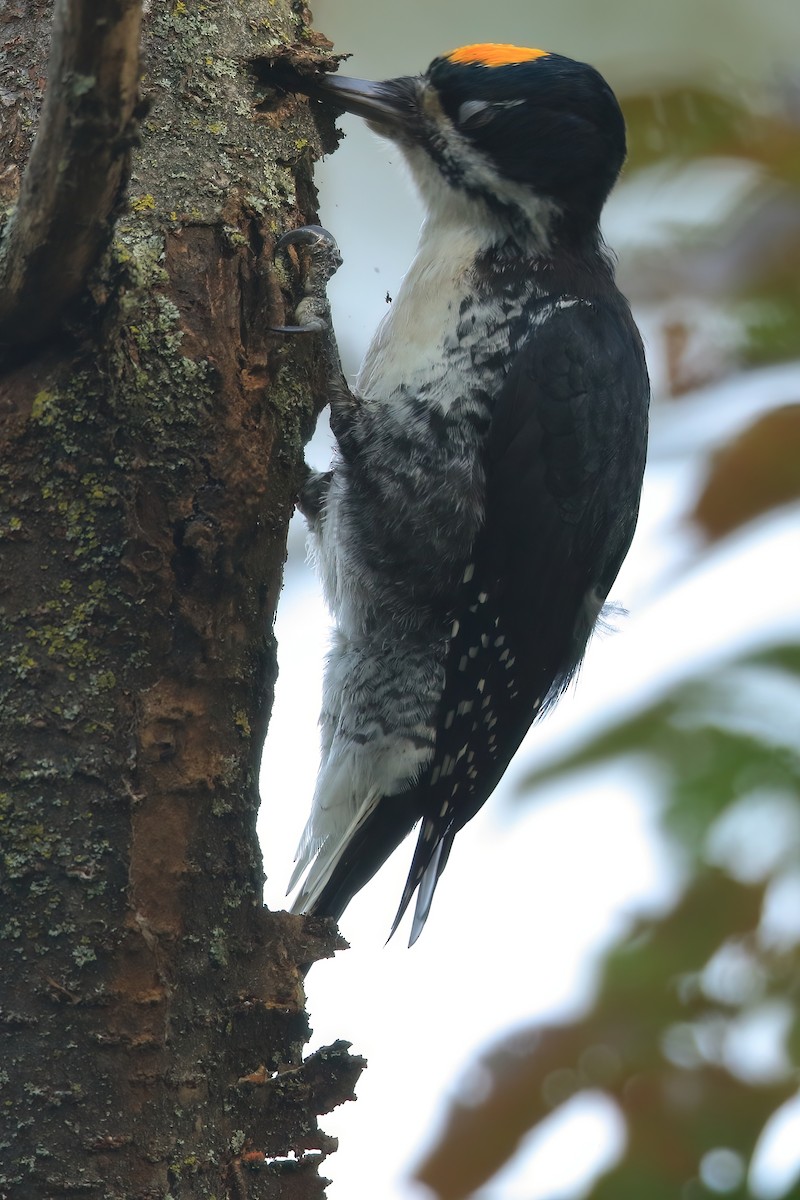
{"type": "Point", "coordinates": [390, 105]}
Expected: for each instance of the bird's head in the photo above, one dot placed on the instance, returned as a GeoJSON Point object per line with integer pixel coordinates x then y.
{"type": "Point", "coordinates": [533, 136]}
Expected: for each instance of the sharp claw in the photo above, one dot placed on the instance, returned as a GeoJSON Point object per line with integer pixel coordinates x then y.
{"type": "Point", "coordinates": [318, 264]}
{"type": "Point", "coordinates": [309, 235]}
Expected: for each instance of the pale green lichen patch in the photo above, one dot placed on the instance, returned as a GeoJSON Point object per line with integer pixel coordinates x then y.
{"type": "Point", "coordinates": [217, 947]}
{"type": "Point", "coordinates": [242, 723]}
{"type": "Point", "coordinates": [140, 251]}
{"type": "Point", "coordinates": [26, 838]}
{"type": "Point", "coordinates": [81, 84]}
{"type": "Point", "coordinates": [83, 953]}
{"type": "Point", "coordinates": [222, 148]}
{"type": "Point", "coordinates": [82, 509]}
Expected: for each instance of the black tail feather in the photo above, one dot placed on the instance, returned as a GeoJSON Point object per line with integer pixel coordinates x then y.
{"type": "Point", "coordinates": [430, 859]}
{"type": "Point", "coordinates": [381, 834]}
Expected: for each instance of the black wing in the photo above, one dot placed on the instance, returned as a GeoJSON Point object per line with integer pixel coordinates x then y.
{"type": "Point", "coordinates": [564, 460]}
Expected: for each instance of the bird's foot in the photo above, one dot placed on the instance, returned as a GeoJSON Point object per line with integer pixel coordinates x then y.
{"type": "Point", "coordinates": [319, 261]}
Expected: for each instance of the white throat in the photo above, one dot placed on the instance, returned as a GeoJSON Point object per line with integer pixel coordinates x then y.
{"type": "Point", "coordinates": [417, 338]}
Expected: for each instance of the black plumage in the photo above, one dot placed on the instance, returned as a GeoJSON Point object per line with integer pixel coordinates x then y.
{"type": "Point", "coordinates": [564, 457]}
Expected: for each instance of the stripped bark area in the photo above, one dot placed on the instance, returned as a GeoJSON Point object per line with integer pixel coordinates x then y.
{"type": "Point", "coordinates": [152, 1022]}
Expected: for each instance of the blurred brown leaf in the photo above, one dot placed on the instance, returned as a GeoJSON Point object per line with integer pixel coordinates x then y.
{"type": "Point", "coordinates": [757, 471]}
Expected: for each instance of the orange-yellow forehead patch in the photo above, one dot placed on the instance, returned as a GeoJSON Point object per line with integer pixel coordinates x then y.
{"type": "Point", "coordinates": [495, 54]}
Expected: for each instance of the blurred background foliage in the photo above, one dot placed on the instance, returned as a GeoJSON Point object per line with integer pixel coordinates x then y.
{"type": "Point", "coordinates": [746, 261]}
{"type": "Point", "coordinates": [751, 262]}
{"type": "Point", "coordinates": [694, 1030]}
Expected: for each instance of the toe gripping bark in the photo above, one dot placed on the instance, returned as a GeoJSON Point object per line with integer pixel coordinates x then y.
{"type": "Point", "coordinates": [319, 260]}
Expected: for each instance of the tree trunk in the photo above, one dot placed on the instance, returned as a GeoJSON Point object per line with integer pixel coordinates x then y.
{"type": "Point", "coordinates": [152, 1014]}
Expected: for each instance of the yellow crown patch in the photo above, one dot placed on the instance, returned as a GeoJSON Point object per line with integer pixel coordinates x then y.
{"type": "Point", "coordinates": [494, 54]}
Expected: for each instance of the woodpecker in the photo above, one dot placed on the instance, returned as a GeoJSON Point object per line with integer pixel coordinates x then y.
{"type": "Point", "coordinates": [488, 463]}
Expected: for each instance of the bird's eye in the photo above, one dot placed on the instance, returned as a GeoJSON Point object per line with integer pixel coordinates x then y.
{"type": "Point", "coordinates": [472, 114]}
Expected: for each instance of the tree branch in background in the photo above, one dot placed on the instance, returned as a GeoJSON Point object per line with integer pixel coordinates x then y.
{"type": "Point", "coordinates": [78, 164]}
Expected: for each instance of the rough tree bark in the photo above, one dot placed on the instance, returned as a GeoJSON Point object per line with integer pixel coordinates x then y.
{"type": "Point", "coordinates": [151, 431]}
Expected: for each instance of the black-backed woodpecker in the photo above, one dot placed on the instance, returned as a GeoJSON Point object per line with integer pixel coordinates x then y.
{"type": "Point", "coordinates": [488, 462]}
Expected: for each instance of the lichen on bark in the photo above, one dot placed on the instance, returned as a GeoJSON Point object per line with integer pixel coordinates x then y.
{"type": "Point", "coordinates": [152, 1011]}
